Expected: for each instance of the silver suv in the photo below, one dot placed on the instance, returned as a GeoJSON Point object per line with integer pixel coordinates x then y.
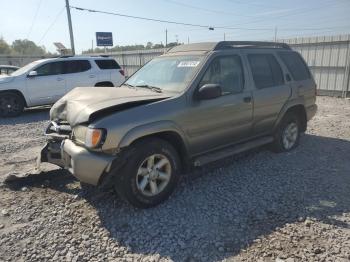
{"type": "Point", "coordinates": [193, 105]}
{"type": "Point", "coordinates": [44, 81]}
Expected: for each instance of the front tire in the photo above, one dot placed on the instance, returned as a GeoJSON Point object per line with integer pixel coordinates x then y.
{"type": "Point", "coordinates": [150, 174]}
{"type": "Point", "coordinates": [287, 134]}
{"type": "Point", "coordinates": [11, 104]}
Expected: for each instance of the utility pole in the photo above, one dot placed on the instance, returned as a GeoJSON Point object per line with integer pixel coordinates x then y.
{"type": "Point", "coordinates": [224, 36]}
{"type": "Point", "coordinates": [92, 45]}
{"type": "Point", "coordinates": [188, 39]}
{"type": "Point", "coordinates": [166, 37]}
{"type": "Point", "coordinates": [70, 28]}
{"type": "Point", "coordinates": [275, 33]}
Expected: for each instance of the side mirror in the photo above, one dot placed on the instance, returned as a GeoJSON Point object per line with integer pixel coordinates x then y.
{"type": "Point", "coordinates": [32, 73]}
{"type": "Point", "coordinates": [209, 91]}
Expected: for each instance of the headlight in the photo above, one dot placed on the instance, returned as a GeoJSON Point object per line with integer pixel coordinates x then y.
{"type": "Point", "coordinates": [94, 137]}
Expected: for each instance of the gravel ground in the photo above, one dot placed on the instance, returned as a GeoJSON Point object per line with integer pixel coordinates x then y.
{"type": "Point", "coordinates": [257, 206]}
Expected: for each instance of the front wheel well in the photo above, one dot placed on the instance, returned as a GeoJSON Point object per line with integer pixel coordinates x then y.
{"type": "Point", "coordinates": [173, 139]}
{"type": "Point", "coordinates": [17, 92]}
{"type": "Point", "coordinates": [300, 111]}
{"type": "Point", "coordinates": [105, 83]}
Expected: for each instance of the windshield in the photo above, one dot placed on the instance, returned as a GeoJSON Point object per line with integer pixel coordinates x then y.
{"type": "Point", "coordinates": [25, 68]}
{"type": "Point", "coordinates": [169, 73]}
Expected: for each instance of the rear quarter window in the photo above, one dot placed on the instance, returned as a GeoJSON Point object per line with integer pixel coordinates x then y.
{"type": "Point", "coordinates": [296, 65]}
{"type": "Point", "coordinates": [107, 64]}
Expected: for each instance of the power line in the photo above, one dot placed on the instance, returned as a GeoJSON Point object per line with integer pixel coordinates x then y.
{"type": "Point", "coordinates": [167, 21]}
{"type": "Point", "coordinates": [34, 18]}
{"type": "Point", "coordinates": [139, 17]}
{"type": "Point", "coordinates": [206, 9]}
{"type": "Point", "coordinates": [251, 4]}
{"type": "Point", "coordinates": [291, 13]}
{"type": "Point", "coordinates": [199, 25]}
{"type": "Point", "coordinates": [52, 24]}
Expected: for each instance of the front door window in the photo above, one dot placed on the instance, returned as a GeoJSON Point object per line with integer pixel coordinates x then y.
{"type": "Point", "coordinates": [226, 71]}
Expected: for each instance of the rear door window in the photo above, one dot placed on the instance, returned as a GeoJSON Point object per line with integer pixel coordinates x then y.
{"type": "Point", "coordinates": [266, 70]}
{"type": "Point", "coordinates": [76, 66]}
{"type": "Point", "coordinates": [107, 64]}
{"type": "Point", "coordinates": [295, 65]}
{"type": "Point", "coordinates": [52, 68]}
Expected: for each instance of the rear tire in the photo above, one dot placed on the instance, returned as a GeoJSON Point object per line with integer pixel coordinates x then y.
{"type": "Point", "coordinates": [11, 104]}
{"type": "Point", "coordinates": [287, 134]}
{"type": "Point", "coordinates": [150, 174]}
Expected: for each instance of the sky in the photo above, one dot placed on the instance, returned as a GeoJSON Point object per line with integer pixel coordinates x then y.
{"type": "Point", "coordinates": [45, 21]}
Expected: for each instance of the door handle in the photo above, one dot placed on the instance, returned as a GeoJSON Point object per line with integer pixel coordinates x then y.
{"type": "Point", "coordinates": [247, 99]}
{"type": "Point", "coordinates": [60, 78]}
{"type": "Point", "coordinates": [92, 76]}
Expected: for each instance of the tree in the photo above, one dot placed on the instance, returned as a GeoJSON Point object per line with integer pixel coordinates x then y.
{"type": "Point", "coordinates": [149, 45]}
{"type": "Point", "coordinates": [4, 47]}
{"type": "Point", "coordinates": [172, 44]}
{"type": "Point", "coordinates": [27, 47]}
{"type": "Point", "coordinates": [158, 46]}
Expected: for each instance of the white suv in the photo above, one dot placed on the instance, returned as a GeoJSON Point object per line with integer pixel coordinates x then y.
{"type": "Point", "coordinates": [44, 81]}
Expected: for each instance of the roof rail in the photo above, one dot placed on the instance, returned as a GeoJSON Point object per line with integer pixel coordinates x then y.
{"type": "Point", "coordinates": [104, 55]}
{"type": "Point", "coordinates": [249, 44]}
{"type": "Point", "coordinates": [65, 56]}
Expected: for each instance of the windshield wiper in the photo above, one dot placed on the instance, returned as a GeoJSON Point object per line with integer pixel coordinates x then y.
{"type": "Point", "coordinates": [153, 88]}
{"type": "Point", "coordinates": [126, 84]}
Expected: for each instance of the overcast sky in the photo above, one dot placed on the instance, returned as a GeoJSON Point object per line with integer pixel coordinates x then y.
{"type": "Point", "coordinates": [45, 21]}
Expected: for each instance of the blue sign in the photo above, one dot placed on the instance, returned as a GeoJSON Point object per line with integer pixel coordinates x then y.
{"type": "Point", "coordinates": [104, 39]}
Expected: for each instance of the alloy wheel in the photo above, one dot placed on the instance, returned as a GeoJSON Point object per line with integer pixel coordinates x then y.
{"type": "Point", "coordinates": [290, 135]}
{"type": "Point", "coordinates": [153, 175]}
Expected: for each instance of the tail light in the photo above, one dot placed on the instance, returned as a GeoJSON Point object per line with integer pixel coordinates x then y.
{"type": "Point", "coordinates": [121, 71]}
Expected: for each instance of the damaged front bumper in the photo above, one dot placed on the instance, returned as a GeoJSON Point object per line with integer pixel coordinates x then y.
{"type": "Point", "coordinates": [85, 165]}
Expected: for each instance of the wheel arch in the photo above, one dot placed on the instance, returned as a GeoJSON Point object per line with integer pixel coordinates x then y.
{"type": "Point", "coordinates": [105, 83]}
{"type": "Point", "coordinates": [297, 108]}
{"type": "Point", "coordinates": [15, 91]}
{"type": "Point", "coordinates": [163, 130]}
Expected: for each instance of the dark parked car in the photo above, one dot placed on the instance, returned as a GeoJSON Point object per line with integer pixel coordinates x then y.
{"type": "Point", "coordinates": [7, 69]}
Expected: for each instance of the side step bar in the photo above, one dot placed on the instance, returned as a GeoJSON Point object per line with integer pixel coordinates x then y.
{"type": "Point", "coordinates": [232, 150]}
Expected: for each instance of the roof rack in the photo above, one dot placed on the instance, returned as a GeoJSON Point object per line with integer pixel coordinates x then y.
{"type": "Point", "coordinates": [65, 56]}
{"type": "Point", "coordinates": [249, 44]}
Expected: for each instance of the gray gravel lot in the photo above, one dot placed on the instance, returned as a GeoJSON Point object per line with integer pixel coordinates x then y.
{"type": "Point", "coordinates": [257, 206]}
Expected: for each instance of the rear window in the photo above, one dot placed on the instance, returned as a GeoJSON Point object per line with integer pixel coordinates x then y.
{"type": "Point", "coordinates": [107, 64]}
{"type": "Point", "coordinates": [295, 65]}
{"type": "Point", "coordinates": [266, 70]}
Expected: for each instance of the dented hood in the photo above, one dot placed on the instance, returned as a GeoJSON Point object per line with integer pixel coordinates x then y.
{"type": "Point", "coordinates": [82, 103]}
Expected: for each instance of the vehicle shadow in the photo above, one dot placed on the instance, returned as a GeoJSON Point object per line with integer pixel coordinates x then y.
{"type": "Point", "coordinates": [220, 209]}
{"type": "Point", "coordinates": [29, 115]}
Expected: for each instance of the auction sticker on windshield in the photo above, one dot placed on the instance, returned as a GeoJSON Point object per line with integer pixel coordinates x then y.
{"type": "Point", "coordinates": [188, 64]}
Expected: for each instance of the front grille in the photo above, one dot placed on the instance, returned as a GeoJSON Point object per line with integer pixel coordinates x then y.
{"type": "Point", "coordinates": [62, 130]}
